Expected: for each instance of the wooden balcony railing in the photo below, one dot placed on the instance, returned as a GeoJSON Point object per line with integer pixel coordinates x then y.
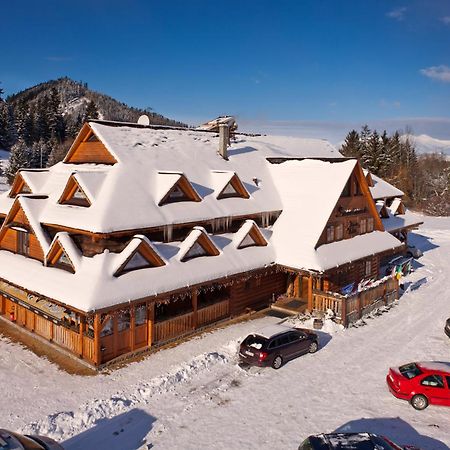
{"type": "Point", "coordinates": [350, 309]}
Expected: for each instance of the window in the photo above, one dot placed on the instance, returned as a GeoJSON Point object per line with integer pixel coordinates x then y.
{"type": "Point", "coordinates": [107, 326]}
{"type": "Point", "coordinates": [363, 226]}
{"type": "Point", "coordinates": [409, 370]}
{"type": "Point", "coordinates": [368, 270]}
{"type": "Point", "coordinates": [78, 198]}
{"type": "Point", "coordinates": [248, 241]}
{"type": "Point", "coordinates": [356, 188]}
{"type": "Point", "coordinates": [339, 232]}
{"type": "Point", "coordinates": [123, 320]}
{"type": "Point", "coordinates": [370, 224]}
{"type": "Point", "coordinates": [181, 191]}
{"type": "Point", "coordinates": [137, 261]}
{"type": "Point", "coordinates": [140, 316]}
{"type": "Point", "coordinates": [448, 382]}
{"type": "Point", "coordinates": [433, 381]}
{"type": "Point", "coordinates": [330, 233]}
{"type": "Point", "coordinates": [23, 243]}
{"type": "Point", "coordinates": [195, 251]}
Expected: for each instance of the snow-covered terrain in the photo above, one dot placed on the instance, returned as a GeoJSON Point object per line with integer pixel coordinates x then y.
{"type": "Point", "coordinates": [427, 144]}
{"type": "Point", "coordinates": [195, 396]}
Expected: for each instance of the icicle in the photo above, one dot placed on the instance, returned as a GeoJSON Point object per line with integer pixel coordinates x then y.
{"type": "Point", "coordinates": [168, 233]}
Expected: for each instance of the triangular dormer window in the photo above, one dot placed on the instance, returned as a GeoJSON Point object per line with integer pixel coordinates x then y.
{"type": "Point", "coordinates": [180, 191]}
{"type": "Point", "coordinates": [248, 241]}
{"type": "Point", "coordinates": [74, 195]}
{"type": "Point", "coordinates": [177, 195]}
{"type": "Point", "coordinates": [197, 244]}
{"type": "Point", "coordinates": [252, 236]}
{"type": "Point", "coordinates": [195, 251]}
{"type": "Point", "coordinates": [137, 261]}
{"type": "Point", "coordinates": [233, 188]}
{"type": "Point", "coordinates": [144, 256]}
{"type": "Point", "coordinates": [19, 186]}
{"type": "Point", "coordinates": [63, 262]}
{"type": "Point", "coordinates": [229, 191]}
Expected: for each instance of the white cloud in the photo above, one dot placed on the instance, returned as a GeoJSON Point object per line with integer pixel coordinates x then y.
{"type": "Point", "coordinates": [441, 73]}
{"type": "Point", "coordinates": [397, 13]}
{"type": "Point", "coordinates": [446, 20]}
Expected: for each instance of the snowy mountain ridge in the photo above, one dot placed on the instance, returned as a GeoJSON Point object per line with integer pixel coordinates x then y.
{"type": "Point", "coordinates": [427, 144]}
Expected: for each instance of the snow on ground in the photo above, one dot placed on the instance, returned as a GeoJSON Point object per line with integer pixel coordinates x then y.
{"type": "Point", "coordinates": [195, 396]}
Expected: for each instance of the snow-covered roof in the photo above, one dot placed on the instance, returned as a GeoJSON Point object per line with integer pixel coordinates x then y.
{"type": "Point", "coordinates": [310, 190]}
{"type": "Point", "coordinates": [407, 220]}
{"type": "Point", "coordinates": [382, 189]}
{"type": "Point", "coordinates": [127, 196]}
{"type": "Point", "coordinates": [93, 285]}
{"type": "Point", "coordinates": [69, 247]}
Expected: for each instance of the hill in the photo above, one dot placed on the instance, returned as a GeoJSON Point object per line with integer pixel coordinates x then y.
{"type": "Point", "coordinates": [427, 144]}
{"type": "Point", "coordinates": [74, 98]}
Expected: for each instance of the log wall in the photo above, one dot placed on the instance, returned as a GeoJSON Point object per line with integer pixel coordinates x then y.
{"type": "Point", "coordinates": [256, 293]}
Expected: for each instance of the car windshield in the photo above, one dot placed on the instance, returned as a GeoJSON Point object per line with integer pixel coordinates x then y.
{"type": "Point", "coordinates": [410, 370]}
{"type": "Point", "coordinates": [255, 341]}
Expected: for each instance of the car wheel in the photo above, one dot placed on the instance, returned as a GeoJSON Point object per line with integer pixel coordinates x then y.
{"type": "Point", "coordinates": [419, 402]}
{"type": "Point", "coordinates": [313, 347]}
{"type": "Point", "coordinates": [277, 362]}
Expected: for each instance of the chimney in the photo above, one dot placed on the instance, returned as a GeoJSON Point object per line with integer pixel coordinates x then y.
{"type": "Point", "coordinates": [224, 140]}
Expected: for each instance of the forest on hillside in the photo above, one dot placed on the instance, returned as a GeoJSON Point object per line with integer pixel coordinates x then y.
{"type": "Point", "coordinates": [38, 125]}
{"type": "Point", "coordinates": [425, 179]}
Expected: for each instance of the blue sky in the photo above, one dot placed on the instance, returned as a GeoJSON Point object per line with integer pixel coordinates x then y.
{"type": "Point", "coordinates": [297, 67]}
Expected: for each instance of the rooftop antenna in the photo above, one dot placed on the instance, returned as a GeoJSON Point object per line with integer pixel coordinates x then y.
{"type": "Point", "coordinates": [144, 120]}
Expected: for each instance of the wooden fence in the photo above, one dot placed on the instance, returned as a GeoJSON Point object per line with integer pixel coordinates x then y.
{"type": "Point", "coordinates": [350, 309]}
{"type": "Point", "coordinates": [171, 328]}
{"type": "Point", "coordinates": [213, 313]}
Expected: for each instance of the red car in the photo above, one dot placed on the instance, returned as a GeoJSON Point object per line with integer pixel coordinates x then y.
{"type": "Point", "coordinates": [421, 383]}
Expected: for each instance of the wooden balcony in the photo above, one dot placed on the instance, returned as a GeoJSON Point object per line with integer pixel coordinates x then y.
{"type": "Point", "coordinates": [350, 309]}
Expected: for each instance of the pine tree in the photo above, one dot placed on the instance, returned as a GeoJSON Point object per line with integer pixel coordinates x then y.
{"type": "Point", "coordinates": [371, 156]}
{"type": "Point", "coordinates": [385, 155]}
{"type": "Point", "coordinates": [6, 125]}
{"type": "Point", "coordinates": [20, 157]}
{"type": "Point", "coordinates": [40, 152]}
{"type": "Point", "coordinates": [91, 111]}
{"type": "Point", "coordinates": [352, 145]}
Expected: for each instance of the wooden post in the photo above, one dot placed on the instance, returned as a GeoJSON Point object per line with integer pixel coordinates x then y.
{"type": "Point", "coordinates": [194, 307]}
{"type": "Point", "coordinates": [51, 330]}
{"type": "Point", "coordinates": [150, 323]}
{"type": "Point", "coordinates": [310, 293]}
{"type": "Point", "coordinates": [80, 338]}
{"type": "Point", "coordinates": [97, 352]}
{"type": "Point", "coordinates": [34, 322]}
{"type": "Point", "coordinates": [359, 305]}
{"type": "Point", "coordinates": [344, 311]}
{"type": "Point", "coordinates": [2, 305]}
{"type": "Point", "coordinates": [297, 285]}
{"type": "Point", "coordinates": [132, 327]}
{"type": "Point", "coordinates": [115, 334]}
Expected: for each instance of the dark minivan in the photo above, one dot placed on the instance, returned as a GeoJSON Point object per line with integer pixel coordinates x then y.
{"type": "Point", "coordinates": [276, 344]}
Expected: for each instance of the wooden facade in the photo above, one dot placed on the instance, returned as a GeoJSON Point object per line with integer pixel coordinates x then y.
{"type": "Point", "coordinates": [104, 336]}
{"type": "Point", "coordinates": [122, 330]}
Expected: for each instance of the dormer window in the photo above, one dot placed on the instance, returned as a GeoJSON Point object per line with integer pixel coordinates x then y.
{"type": "Point", "coordinates": [19, 186]}
{"type": "Point", "coordinates": [142, 256]}
{"type": "Point", "coordinates": [233, 186]}
{"type": "Point", "coordinates": [181, 190]}
{"type": "Point", "coordinates": [249, 235]}
{"type": "Point", "coordinates": [195, 251]}
{"type": "Point", "coordinates": [63, 262]}
{"type": "Point", "coordinates": [74, 195]}
{"type": "Point", "coordinates": [197, 244]}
